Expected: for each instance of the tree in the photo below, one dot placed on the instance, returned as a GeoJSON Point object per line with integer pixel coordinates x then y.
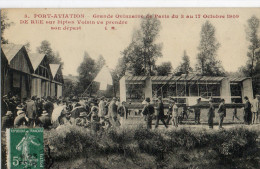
{"type": "Point", "coordinates": [27, 46]}
{"type": "Point", "coordinates": [142, 52]}
{"type": "Point", "coordinates": [164, 69]}
{"type": "Point", "coordinates": [4, 25]}
{"type": "Point", "coordinates": [52, 57]}
{"type": "Point", "coordinates": [184, 67]}
{"type": "Point", "coordinates": [100, 63]}
{"type": "Point", "coordinates": [252, 54]}
{"type": "Point", "coordinates": [207, 56]}
{"type": "Point", "coordinates": [87, 71]}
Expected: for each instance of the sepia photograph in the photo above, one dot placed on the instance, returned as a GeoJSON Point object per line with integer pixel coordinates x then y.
{"type": "Point", "coordinates": [131, 88]}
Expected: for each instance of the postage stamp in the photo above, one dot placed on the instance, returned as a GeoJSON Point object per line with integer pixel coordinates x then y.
{"type": "Point", "coordinates": [25, 148]}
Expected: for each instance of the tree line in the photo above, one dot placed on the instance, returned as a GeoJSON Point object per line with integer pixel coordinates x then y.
{"type": "Point", "coordinates": [140, 56]}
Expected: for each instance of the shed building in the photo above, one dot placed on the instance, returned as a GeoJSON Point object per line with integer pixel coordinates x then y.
{"type": "Point", "coordinates": [18, 76]}
{"type": "Point", "coordinates": [41, 77]}
{"type": "Point", "coordinates": [185, 87]}
{"type": "Point", "coordinates": [57, 81]}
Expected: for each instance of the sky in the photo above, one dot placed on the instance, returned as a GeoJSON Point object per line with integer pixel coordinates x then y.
{"type": "Point", "coordinates": [176, 34]}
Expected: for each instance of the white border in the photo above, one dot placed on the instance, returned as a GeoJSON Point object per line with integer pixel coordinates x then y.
{"type": "Point", "coordinates": [125, 3]}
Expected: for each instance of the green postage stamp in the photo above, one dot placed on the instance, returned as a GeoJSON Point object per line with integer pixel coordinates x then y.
{"type": "Point", "coordinates": [25, 148]}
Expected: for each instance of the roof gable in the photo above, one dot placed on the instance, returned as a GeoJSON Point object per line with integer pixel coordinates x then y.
{"type": "Point", "coordinates": [36, 59]}
{"type": "Point", "coordinates": [10, 50]}
{"type": "Point", "coordinates": [17, 57]}
{"type": "Point", "coordinates": [54, 69]}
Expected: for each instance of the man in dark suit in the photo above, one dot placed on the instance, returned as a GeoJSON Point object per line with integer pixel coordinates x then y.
{"type": "Point", "coordinates": [221, 113]}
{"type": "Point", "coordinates": [31, 111]}
{"type": "Point", "coordinates": [211, 114]}
{"type": "Point", "coordinates": [112, 112]}
{"type": "Point", "coordinates": [160, 112]}
{"type": "Point", "coordinates": [45, 120]}
{"type": "Point", "coordinates": [7, 120]}
{"type": "Point", "coordinates": [197, 112]}
{"type": "Point", "coordinates": [247, 111]}
{"type": "Point", "coordinates": [4, 105]}
{"type": "Point", "coordinates": [148, 111]}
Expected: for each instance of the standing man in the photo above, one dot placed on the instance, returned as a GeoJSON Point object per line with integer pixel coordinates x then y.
{"type": "Point", "coordinates": [197, 112]}
{"type": "Point", "coordinates": [255, 108]}
{"type": "Point", "coordinates": [49, 105]}
{"type": "Point", "coordinates": [235, 113]}
{"type": "Point", "coordinates": [148, 111]}
{"type": "Point", "coordinates": [7, 120]}
{"type": "Point", "coordinates": [160, 112]}
{"type": "Point", "coordinates": [31, 111]}
{"type": "Point", "coordinates": [169, 113]}
{"type": "Point", "coordinates": [258, 112]}
{"type": "Point", "coordinates": [112, 112]}
{"type": "Point", "coordinates": [175, 114]}
{"type": "Point", "coordinates": [211, 114]}
{"type": "Point", "coordinates": [123, 112]}
{"type": "Point", "coordinates": [4, 105]}
{"type": "Point", "coordinates": [101, 108]}
{"type": "Point", "coordinates": [221, 113]}
{"type": "Point", "coordinates": [247, 111]}
{"type": "Point", "coordinates": [44, 120]}
{"type": "Point", "coordinates": [20, 119]}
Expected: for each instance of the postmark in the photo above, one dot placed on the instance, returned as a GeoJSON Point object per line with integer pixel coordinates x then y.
{"type": "Point", "coordinates": [25, 148]}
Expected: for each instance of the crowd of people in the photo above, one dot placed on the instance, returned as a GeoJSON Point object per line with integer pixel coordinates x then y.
{"type": "Point", "coordinates": [250, 115]}
{"type": "Point", "coordinates": [50, 112]}
{"type": "Point", "coordinates": [102, 113]}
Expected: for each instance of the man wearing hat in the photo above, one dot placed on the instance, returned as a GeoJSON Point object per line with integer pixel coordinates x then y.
{"type": "Point", "coordinates": [123, 113]}
{"type": "Point", "coordinates": [30, 108]}
{"type": "Point", "coordinates": [4, 105]}
{"type": "Point", "coordinates": [101, 108]}
{"type": "Point", "coordinates": [148, 111]}
{"type": "Point", "coordinates": [159, 112]}
{"type": "Point", "coordinates": [175, 114]}
{"type": "Point", "coordinates": [82, 119]}
{"type": "Point", "coordinates": [76, 112]}
{"type": "Point", "coordinates": [112, 112]}
{"type": "Point", "coordinates": [65, 117]}
{"type": "Point", "coordinates": [247, 111]}
{"type": "Point", "coordinates": [258, 112]}
{"type": "Point", "coordinates": [255, 109]}
{"type": "Point", "coordinates": [211, 114]}
{"type": "Point", "coordinates": [170, 109]}
{"type": "Point", "coordinates": [7, 120]}
{"type": "Point", "coordinates": [197, 112]}
{"type": "Point", "coordinates": [221, 113]}
{"type": "Point", "coordinates": [21, 118]}
{"type": "Point", "coordinates": [44, 120]}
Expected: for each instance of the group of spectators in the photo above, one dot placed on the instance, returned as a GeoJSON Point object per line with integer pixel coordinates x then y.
{"type": "Point", "coordinates": [102, 113]}
{"type": "Point", "coordinates": [51, 112]}
{"type": "Point", "coordinates": [250, 115]}
{"type": "Point", "coordinates": [32, 112]}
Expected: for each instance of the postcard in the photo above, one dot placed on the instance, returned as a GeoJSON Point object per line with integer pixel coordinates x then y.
{"type": "Point", "coordinates": [130, 88]}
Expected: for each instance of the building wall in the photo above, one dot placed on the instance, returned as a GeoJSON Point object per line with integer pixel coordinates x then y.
{"type": "Point", "coordinates": [20, 63]}
{"type": "Point", "coordinates": [225, 91]}
{"type": "Point", "coordinates": [59, 91]}
{"type": "Point", "coordinates": [7, 84]}
{"type": "Point", "coordinates": [36, 87]}
{"type": "Point", "coordinates": [53, 92]}
{"type": "Point", "coordinates": [247, 89]}
{"type": "Point", "coordinates": [216, 90]}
